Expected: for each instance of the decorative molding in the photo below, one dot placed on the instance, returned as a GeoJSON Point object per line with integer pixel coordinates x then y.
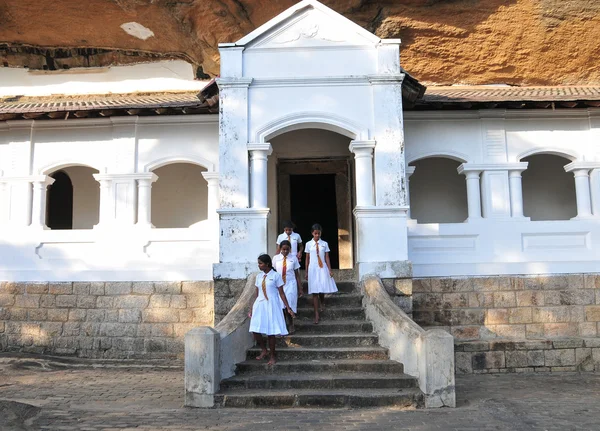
{"type": "Point", "coordinates": [260, 146]}
{"type": "Point", "coordinates": [315, 81]}
{"type": "Point", "coordinates": [483, 167]}
{"type": "Point", "coordinates": [260, 213]}
{"type": "Point", "coordinates": [577, 165]}
{"type": "Point", "coordinates": [180, 158]}
{"type": "Point", "coordinates": [562, 152]}
{"type": "Point", "coordinates": [225, 83]}
{"type": "Point", "coordinates": [362, 145]}
{"type": "Point", "coordinates": [391, 79]}
{"type": "Point", "coordinates": [380, 212]}
{"type": "Point", "coordinates": [454, 155]}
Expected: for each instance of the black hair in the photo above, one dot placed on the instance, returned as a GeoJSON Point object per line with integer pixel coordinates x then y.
{"type": "Point", "coordinates": [288, 224]}
{"type": "Point", "coordinates": [315, 227]}
{"type": "Point", "coordinates": [285, 242]}
{"type": "Point", "coordinates": [266, 259]}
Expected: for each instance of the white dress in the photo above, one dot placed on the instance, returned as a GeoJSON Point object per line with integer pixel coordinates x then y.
{"type": "Point", "coordinates": [291, 285]}
{"type": "Point", "coordinates": [319, 280]}
{"type": "Point", "coordinates": [267, 315]}
{"type": "Point", "coordinates": [294, 239]}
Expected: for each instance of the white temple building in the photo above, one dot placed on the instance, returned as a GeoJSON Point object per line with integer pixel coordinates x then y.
{"type": "Point", "coordinates": [143, 174]}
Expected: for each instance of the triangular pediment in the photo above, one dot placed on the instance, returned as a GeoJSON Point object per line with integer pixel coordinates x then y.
{"type": "Point", "coordinates": [309, 24]}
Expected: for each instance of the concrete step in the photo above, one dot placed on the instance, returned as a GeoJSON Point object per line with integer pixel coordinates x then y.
{"type": "Point", "coordinates": [334, 300]}
{"type": "Point", "coordinates": [319, 353]}
{"type": "Point", "coordinates": [323, 366]}
{"type": "Point", "coordinates": [359, 339]}
{"type": "Point", "coordinates": [342, 286]}
{"type": "Point", "coordinates": [313, 398]}
{"type": "Point", "coordinates": [319, 381]}
{"type": "Point", "coordinates": [306, 326]}
{"type": "Point", "coordinates": [332, 313]}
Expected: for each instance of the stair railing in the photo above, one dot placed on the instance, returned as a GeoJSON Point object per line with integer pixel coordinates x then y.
{"type": "Point", "coordinates": [212, 353]}
{"type": "Point", "coordinates": [427, 355]}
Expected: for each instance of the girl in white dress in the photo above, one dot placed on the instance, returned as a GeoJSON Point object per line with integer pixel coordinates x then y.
{"type": "Point", "coordinates": [266, 316]}
{"type": "Point", "coordinates": [318, 270]}
{"type": "Point", "coordinates": [287, 265]}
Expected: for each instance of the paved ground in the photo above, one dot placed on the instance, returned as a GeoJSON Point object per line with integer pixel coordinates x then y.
{"type": "Point", "coordinates": [38, 394]}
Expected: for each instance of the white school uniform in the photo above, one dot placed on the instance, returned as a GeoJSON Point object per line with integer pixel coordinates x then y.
{"type": "Point", "coordinates": [319, 280]}
{"type": "Point", "coordinates": [267, 315]}
{"type": "Point", "coordinates": [294, 239]}
{"type": "Point", "coordinates": [291, 285]}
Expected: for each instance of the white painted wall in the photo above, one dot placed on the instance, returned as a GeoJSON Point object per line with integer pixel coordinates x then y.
{"type": "Point", "coordinates": [175, 75]}
{"type": "Point", "coordinates": [180, 196]}
{"type": "Point", "coordinates": [437, 192]}
{"type": "Point", "coordinates": [86, 196]}
{"type": "Point", "coordinates": [548, 191]}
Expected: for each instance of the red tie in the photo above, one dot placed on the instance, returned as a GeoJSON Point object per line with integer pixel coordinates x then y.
{"type": "Point", "coordinates": [284, 270]}
{"type": "Point", "coordinates": [319, 256]}
{"type": "Point", "coordinates": [264, 287]}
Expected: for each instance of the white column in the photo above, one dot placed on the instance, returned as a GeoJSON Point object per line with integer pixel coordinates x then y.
{"type": "Point", "coordinates": [144, 184]}
{"type": "Point", "coordinates": [473, 192]}
{"type": "Point", "coordinates": [582, 189]}
{"type": "Point", "coordinates": [106, 203]}
{"type": "Point", "coordinates": [516, 193]}
{"type": "Point", "coordinates": [595, 191]}
{"type": "Point", "coordinates": [409, 171]}
{"type": "Point", "coordinates": [38, 209]}
{"type": "Point", "coordinates": [212, 178]}
{"type": "Point", "coordinates": [259, 154]}
{"type": "Point", "coordinates": [363, 156]}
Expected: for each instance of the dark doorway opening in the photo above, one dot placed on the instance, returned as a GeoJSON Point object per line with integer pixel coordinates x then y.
{"type": "Point", "coordinates": [313, 200]}
{"type": "Point", "coordinates": [59, 213]}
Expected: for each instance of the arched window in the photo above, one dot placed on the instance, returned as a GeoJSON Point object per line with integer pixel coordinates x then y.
{"type": "Point", "coordinates": [179, 196]}
{"type": "Point", "coordinates": [548, 191]}
{"type": "Point", "coordinates": [60, 202]}
{"type": "Point", "coordinates": [438, 194]}
{"type": "Point", "coordinates": [74, 199]}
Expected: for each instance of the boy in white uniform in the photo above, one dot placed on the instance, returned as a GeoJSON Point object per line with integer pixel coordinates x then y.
{"type": "Point", "coordinates": [294, 239]}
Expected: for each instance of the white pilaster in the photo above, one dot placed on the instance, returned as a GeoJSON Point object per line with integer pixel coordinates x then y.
{"type": "Point", "coordinates": [363, 155]}
{"type": "Point", "coordinates": [473, 191]}
{"type": "Point", "coordinates": [144, 183]}
{"type": "Point", "coordinates": [409, 171]}
{"type": "Point", "coordinates": [38, 209]}
{"type": "Point", "coordinates": [117, 199]}
{"type": "Point", "coordinates": [233, 141]}
{"type": "Point", "coordinates": [516, 193]}
{"type": "Point", "coordinates": [595, 191]}
{"type": "Point", "coordinates": [259, 154]}
{"type": "Point", "coordinates": [581, 171]}
{"type": "Point", "coordinates": [212, 178]}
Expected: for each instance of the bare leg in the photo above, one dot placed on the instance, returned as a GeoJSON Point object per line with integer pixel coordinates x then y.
{"type": "Point", "coordinates": [316, 307]}
{"type": "Point", "coordinates": [261, 342]}
{"type": "Point", "coordinates": [272, 350]}
{"type": "Point", "coordinates": [322, 299]}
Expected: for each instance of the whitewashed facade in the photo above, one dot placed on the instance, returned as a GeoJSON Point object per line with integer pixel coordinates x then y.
{"type": "Point", "coordinates": [476, 205]}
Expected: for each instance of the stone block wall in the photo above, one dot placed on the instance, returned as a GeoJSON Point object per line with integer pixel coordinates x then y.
{"type": "Point", "coordinates": [400, 291]}
{"type": "Point", "coordinates": [143, 320]}
{"type": "Point", "coordinates": [514, 308]}
{"type": "Point", "coordinates": [570, 354]}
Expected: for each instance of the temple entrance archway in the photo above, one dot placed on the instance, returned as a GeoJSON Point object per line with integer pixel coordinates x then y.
{"type": "Point", "coordinates": [311, 173]}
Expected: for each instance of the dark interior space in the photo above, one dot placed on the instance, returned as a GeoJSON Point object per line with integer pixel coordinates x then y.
{"type": "Point", "coordinates": [313, 201]}
{"type": "Point", "coordinates": [60, 202]}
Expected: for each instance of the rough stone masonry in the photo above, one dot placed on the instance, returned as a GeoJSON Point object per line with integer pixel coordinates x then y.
{"type": "Point", "coordinates": [103, 320]}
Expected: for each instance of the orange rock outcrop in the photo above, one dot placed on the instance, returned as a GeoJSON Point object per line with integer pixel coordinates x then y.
{"type": "Point", "coordinates": [522, 42]}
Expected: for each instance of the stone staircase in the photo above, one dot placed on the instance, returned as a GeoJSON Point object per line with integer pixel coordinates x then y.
{"type": "Point", "coordinates": [337, 363]}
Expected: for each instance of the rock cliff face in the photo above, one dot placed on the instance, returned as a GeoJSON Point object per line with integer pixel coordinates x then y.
{"type": "Point", "coordinates": [524, 42]}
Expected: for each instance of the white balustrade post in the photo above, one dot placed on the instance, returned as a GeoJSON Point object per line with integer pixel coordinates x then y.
{"type": "Point", "coordinates": [409, 171]}
{"type": "Point", "coordinates": [582, 190]}
{"type": "Point", "coordinates": [473, 191]}
{"type": "Point", "coordinates": [38, 208]}
{"type": "Point", "coordinates": [259, 154]}
{"type": "Point", "coordinates": [144, 184]}
{"type": "Point", "coordinates": [363, 155]}
{"type": "Point", "coordinates": [516, 193]}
